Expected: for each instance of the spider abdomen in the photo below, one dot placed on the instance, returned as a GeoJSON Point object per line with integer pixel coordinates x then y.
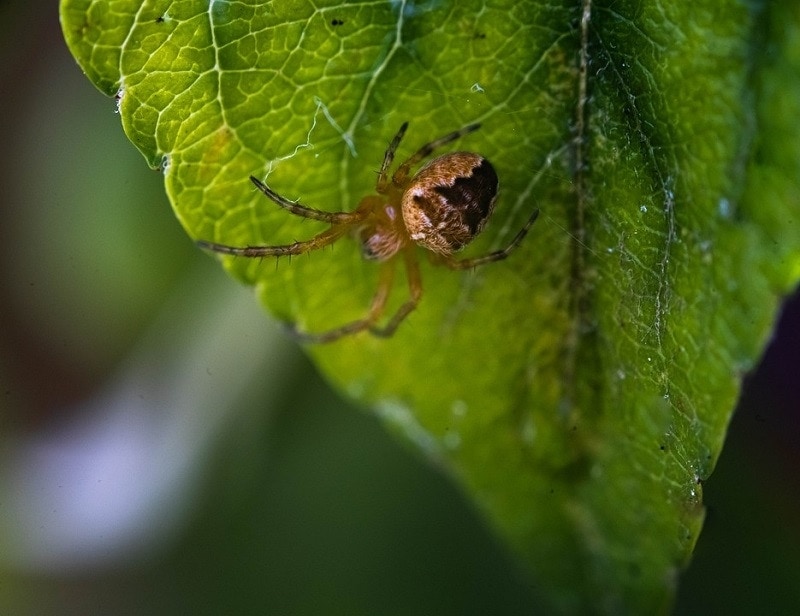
{"type": "Point", "coordinates": [449, 201]}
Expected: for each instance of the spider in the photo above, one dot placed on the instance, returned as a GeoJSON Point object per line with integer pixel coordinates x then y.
{"type": "Point", "coordinates": [441, 208]}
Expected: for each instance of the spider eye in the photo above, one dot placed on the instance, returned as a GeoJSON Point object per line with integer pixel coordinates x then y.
{"type": "Point", "coordinates": [379, 243]}
{"type": "Point", "coordinates": [449, 201]}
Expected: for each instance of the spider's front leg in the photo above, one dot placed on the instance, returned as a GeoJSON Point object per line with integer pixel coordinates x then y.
{"type": "Point", "coordinates": [320, 240]}
{"type": "Point", "coordinates": [415, 290]}
{"type": "Point", "coordinates": [341, 223]}
{"type": "Point", "coordinates": [376, 309]}
{"type": "Point", "coordinates": [304, 211]}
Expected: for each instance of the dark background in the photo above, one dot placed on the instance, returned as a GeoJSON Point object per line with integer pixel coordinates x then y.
{"type": "Point", "coordinates": [277, 496]}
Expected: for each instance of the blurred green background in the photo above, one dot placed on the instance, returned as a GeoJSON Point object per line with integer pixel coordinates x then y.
{"type": "Point", "coordinates": [165, 449]}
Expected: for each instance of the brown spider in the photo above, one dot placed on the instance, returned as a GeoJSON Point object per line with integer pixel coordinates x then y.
{"type": "Point", "coordinates": [442, 208]}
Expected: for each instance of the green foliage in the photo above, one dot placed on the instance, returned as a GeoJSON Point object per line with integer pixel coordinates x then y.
{"type": "Point", "coordinates": [579, 391]}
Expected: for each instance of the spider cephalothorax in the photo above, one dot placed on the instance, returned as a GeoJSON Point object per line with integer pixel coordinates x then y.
{"type": "Point", "coordinates": [441, 208]}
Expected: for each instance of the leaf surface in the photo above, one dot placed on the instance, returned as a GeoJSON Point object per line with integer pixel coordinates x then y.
{"type": "Point", "coordinates": [580, 390]}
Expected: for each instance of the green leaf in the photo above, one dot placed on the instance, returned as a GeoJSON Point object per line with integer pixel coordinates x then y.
{"type": "Point", "coordinates": [580, 390]}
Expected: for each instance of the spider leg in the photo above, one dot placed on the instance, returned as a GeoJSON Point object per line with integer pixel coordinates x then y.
{"type": "Point", "coordinates": [400, 176]}
{"type": "Point", "coordinates": [376, 309]}
{"type": "Point", "coordinates": [305, 211]}
{"type": "Point", "coordinates": [415, 290]}
{"type": "Point", "coordinates": [320, 240]}
{"type": "Point", "coordinates": [388, 157]}
{"type": "Point", "coordinates": [497, 255]}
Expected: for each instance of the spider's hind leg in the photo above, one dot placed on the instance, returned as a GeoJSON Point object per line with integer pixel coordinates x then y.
{"type": "Point", "coordinates": [401, 175]}
{"type": "Point", "coordinates": [497, 255]}
{"type": "Point", "coordinates": [388, 157]}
